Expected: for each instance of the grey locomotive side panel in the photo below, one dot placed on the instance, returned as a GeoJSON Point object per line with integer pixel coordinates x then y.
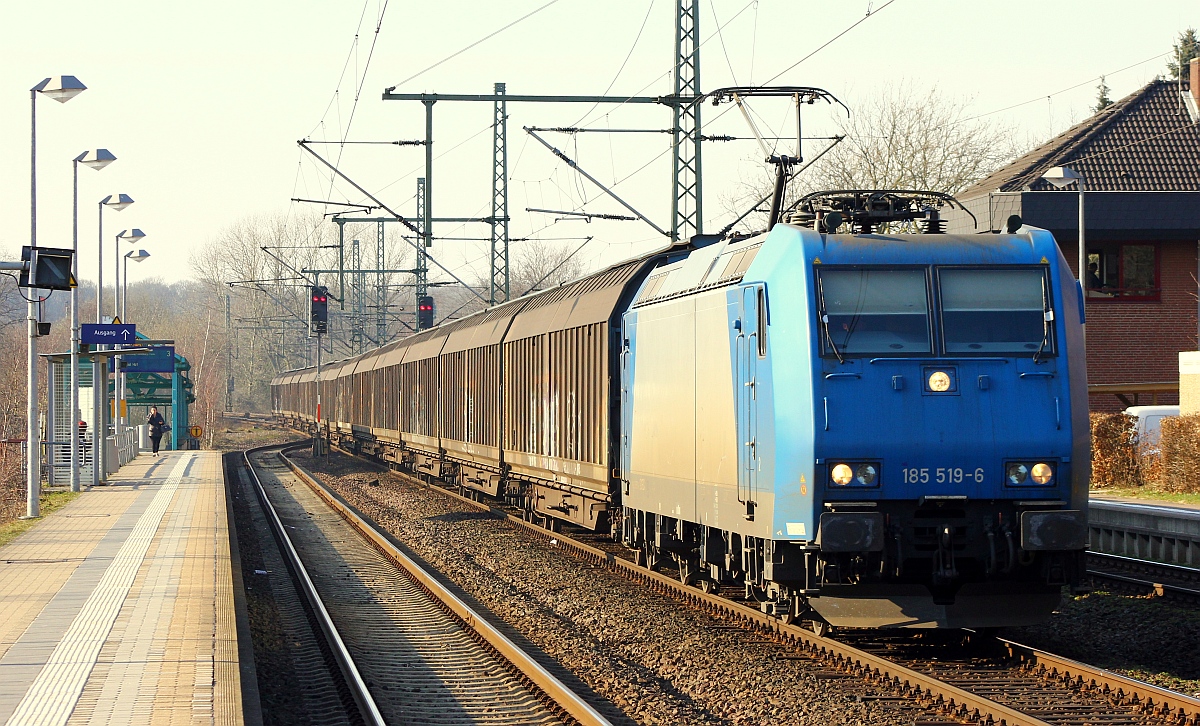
{"type": "Point", "coordinates": [716, 420]}
{"type": "Point", "coordinates": [662, 466]}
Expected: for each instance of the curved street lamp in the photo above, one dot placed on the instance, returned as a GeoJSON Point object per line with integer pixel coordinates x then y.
{"type": "Point", "coordinates": [61, 89]}
{"type": "Point", "coordinates": [116, 202]}
{"type": "Point", "coordinates": [136, 256]}
{"type": "Point", "coordinates": [1063, 177]}
{"type": "Point", "coordinates": [96, 159]}
{"type": "Point", "coordinates": [132, 236]}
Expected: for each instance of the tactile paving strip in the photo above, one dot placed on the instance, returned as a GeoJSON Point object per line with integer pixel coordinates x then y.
{"type": "Point", "coordinates": [52, 697]}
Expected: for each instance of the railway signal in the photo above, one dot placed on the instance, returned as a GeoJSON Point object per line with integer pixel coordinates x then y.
{"type": "Point", "coordinates": [425, 313]}
{"type": "Point", "coordinates": [319, 310]}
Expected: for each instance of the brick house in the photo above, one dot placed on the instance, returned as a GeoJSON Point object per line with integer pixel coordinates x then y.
{"type": "Point", "coordinates": [1140, 160]}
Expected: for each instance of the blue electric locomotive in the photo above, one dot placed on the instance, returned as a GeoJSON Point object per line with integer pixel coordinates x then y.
{"type": "Point", "coordinates": [862, 429]}
{"type": "Point", "coordinates": [866, 430]}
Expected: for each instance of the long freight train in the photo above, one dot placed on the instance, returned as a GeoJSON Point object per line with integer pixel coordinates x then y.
{"type": "Point", "coordinates": [863, 429]}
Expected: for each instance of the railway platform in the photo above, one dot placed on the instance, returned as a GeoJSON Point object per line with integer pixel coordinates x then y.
{"type": "Point", "coordinates": [1145, 529]}
{"type": "Point", "coordinates": [119, 608]}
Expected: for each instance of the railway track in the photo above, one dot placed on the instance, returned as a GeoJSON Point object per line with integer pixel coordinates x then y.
{"type": "Point", "coordinates": [1161, 579]}
{"type": "Point", "coordinates": [978, 679]}
{"type": "Point", "coordinates": [407, 649]}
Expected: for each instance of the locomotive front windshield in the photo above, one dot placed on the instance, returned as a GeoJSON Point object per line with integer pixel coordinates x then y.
{"type": "Point", "coordinates": [994, 311]}
{"type": "Point", "coordinates": [882, 312]}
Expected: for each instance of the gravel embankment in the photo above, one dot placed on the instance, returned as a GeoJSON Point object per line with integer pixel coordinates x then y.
{"type": "Point", "coordinates": [655, 659]}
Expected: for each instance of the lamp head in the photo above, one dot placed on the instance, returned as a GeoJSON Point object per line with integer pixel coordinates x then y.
{"type": "Point", "coordinates": [1062, 176]}
{"type": "Point", "coordinates": [131, 235]}
{"type": "Point", "coordinates": [96, 159]}
{"type": "Point", "coordinates": [137, 255]}
{"type": "Point", "coordinates": [61, 88]}
{"type": "Point", "coordinates": [117, 201]}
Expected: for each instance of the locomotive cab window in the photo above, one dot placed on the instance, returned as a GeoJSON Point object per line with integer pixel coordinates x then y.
{"type": "Point", "coordinates": [873, 312]}
{"type": "Point", "coordinates": [1004, 311]}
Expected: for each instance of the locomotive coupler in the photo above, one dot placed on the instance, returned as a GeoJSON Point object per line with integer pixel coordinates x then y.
{"type": "Point", "coordinates": [944, 569]}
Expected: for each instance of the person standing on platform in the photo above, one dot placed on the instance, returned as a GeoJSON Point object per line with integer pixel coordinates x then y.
{"type": "Point", "coordinates": [157, 426]}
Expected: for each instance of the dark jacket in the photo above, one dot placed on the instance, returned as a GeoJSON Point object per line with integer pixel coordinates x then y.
{"type": "Point", "coordinates": [156, 422]}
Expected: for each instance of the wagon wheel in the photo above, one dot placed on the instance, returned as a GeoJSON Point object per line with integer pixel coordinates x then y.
{"type": "Point", "coordinates": [820, 627]}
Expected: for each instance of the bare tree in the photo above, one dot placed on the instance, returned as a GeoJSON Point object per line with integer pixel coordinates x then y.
{"type": "Point", "coordinates": [269, 299]}
{"type": "Point", "coordinates": [541, 264]}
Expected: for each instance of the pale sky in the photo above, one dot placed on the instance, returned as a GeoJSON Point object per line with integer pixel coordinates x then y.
{"type": "Point", "coordinates": [203, 103]}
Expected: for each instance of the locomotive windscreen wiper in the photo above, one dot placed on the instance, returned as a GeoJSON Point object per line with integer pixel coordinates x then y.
{"type": "Point", "coordinates": [1047, 316]}
{"type": "Point", "coordinates": [825, 320]}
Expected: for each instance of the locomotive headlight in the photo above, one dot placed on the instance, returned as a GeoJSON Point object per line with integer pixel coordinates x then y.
{"type": "Point", "coordinates": [939, 381]}
{"type": "Point", "coordinates": [841, 474]}
{"type": "Point", "coordinates": [865, 475]}
{"type": "Point", "coordinates": [1017, 474]}
{"type": "Point", "coordinates": [1041, 473]}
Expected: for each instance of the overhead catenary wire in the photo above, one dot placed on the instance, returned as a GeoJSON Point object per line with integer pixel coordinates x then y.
{"type": "Point", "coordinates": [1044, 96]}
{"type": "Point", "coordinates": [459, 52]}
{"type": "Point", "coordinates": [870, 13]}
{"type": "Point", "coordinates": [345, 132]}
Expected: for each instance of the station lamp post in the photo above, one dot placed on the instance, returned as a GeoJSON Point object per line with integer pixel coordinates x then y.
{"type": "Point", "coordinates": [116, 202]}
{"type": "Point", "coordinates": [132, 236]}
{"type": "Point", "coordinates": [136, 256]}
{"type": "Point", "coordinates": [97, 160]}
{"type": "Point", "coordinates": [1062, 177]}
{"type": "Point", "coordinates": [61, 89]}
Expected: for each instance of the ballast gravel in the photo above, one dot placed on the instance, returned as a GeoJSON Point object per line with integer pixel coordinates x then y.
{"type": "Point", "coordinates": [654, 659]}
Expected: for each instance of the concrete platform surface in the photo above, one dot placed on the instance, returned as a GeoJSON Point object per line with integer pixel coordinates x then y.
{"type": "Point", "coordinates": [118, 608]}
{"type": "Point", "coordinates": [1146, 503]}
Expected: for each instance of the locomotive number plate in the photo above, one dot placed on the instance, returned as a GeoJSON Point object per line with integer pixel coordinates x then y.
{"type": "Point", "coordinates": [942, 475]}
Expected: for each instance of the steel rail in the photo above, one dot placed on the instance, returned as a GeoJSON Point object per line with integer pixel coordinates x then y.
{"type": "Point", "coordinates": [1149, 698]}
{"type": "Point", "coordinates": [1139, 570]}
{"type": "Point", "coordinates": [354, 680]}
{"type": "Point", "coordinates": [949, 698]}
{"type": "Point", "coordinates": [952, 700]}
{"type": "Point", "coordinates": [1181, 571]}
{"type": "Point", "coordinates": [563, 697]}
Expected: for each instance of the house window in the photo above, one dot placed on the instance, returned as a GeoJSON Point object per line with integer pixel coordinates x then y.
{"type": "Point", "coordinates": [1122, 272]}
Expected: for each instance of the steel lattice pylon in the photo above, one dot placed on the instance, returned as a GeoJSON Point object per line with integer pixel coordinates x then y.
{"type": "Point", "coordinates": [381, 288]}
{"type": "Point", "coordinates": [357, 294]}
{"type": "Point", "coordinates": [422, 281]}
{"type": "Point", "coordinates": [686, 204]}
{"type": "Point", "coordinates": [228, 354]}
{"type": "Point", "coordinates": [499, 289]}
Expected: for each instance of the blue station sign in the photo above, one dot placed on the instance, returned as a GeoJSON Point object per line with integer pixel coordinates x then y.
{"type": "Point", "coordinates": [119, 334]}
{"type": "Point", "coordinates": [155, 360]}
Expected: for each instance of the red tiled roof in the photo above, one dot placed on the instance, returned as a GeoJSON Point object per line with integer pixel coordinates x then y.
{"type": "Point", "coordinates": [1147, 141]}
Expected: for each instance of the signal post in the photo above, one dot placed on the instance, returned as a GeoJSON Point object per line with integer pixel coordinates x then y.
{"type": "Point", "coordinates": [318, 325]}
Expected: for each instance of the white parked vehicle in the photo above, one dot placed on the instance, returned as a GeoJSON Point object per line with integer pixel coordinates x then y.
{"type": "Point", "coordinates": [1149, 422]}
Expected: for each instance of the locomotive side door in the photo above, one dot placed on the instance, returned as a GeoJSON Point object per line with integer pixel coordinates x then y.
{"type": "Point", "coordinates": [629, 330]}
{"type": "Point", "coordinates": [747, 397]}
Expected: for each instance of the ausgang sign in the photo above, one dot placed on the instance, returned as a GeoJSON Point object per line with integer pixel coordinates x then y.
{"type": "Point", "coordinates": [95, 334]}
